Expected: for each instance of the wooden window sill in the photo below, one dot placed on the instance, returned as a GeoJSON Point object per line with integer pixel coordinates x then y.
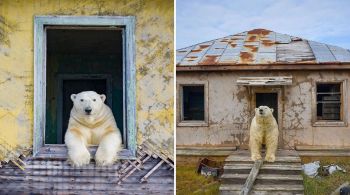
{"type": "Point", "coordinates": [329, 124]}
{"type": "Point", "coordinates": [192, 124]}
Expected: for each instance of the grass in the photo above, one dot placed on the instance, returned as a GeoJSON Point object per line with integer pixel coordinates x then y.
{"type": "Point", "coordinates": [327, 184]}
{"type": "Point", "coordinates": [188, 182]}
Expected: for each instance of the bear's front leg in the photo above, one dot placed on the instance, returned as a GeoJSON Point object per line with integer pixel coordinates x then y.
{"type": "Point", "coordinates": [255, 147]}
{"type": "Point", "coordinates": [77, 152]}
{"type": "Point", "coordinates": [271, 148]}
{"type": "Point", "coordinates": [106, 153]}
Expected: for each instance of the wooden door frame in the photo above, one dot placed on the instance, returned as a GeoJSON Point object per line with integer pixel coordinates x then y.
{"type": "Point", "coordinates": [269, 89]}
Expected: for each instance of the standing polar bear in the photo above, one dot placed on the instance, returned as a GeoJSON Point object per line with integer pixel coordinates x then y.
{"type": "Point", "coordinates": [263, 130]}
{"type": "Point", "coordinates": [91, 122]}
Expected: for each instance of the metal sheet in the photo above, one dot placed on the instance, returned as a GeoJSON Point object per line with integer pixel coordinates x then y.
{"type": "Point", "coordinates": [340, 54]}
{"type": "Point", "coordinates": [181, 53]}
{"type": "Point", "coordinates": [261, 46]}
{"type": "Point", "coordinates": [321, 52]}
{"type": "Point", "coordinates": [196, 54]}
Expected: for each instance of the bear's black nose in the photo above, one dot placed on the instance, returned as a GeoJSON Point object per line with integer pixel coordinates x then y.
{"type": "Point", "coordinates": [261, 111]}
{"type": "Point", "coordinates": [88, 110]}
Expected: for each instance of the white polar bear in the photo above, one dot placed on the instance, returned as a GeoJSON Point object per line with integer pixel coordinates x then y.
{"type": "Point", "coordinates": [91, 122]}
{"type": "Point", "coordinates": [263, 130]}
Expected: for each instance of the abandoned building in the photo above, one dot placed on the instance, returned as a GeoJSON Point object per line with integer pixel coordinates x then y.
{"type": "Point", "coordinates": [51, 49]}
{"type": "Point", "coordinates": [220, 82]}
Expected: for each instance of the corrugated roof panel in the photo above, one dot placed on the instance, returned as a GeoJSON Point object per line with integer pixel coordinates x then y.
{"type": "Point", "coordinates": [340, 54]}
{"type": "Point", "coordinates": [233, 49]}
{"type": "Point", "coordinates": [267, 43]}
{"type": "Point", "coordinates": [296, 51]}
{"type": "Point", "coordinates": [266, 58]}
{"type": "Point", "coordinates": [180, 54]}
{"type": "Point", "coordinates": [196, 54]}
{"type": "Point", "coordinates": [260, 46]}
{"type": "Point", "coordinates": [282, 38]}
{"type": "Point", "coordinates": [217, 48]}
{"type": "Point", "coordinates": [322, 52]}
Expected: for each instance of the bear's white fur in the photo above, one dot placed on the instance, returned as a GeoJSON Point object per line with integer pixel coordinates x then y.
{"type": "Point", "coordinates": [263, 130]}
{"type": "Point", "coordinates": [91, 122]}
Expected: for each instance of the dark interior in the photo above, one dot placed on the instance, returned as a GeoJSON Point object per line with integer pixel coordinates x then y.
{"type": "Point", "coordinates": [193, 103]}
{"type": "Point", "coordinates": [328, 101]}
{"type": "Point", "coordinates": [74, 58]}
{"type": "Point", "coordinates": [268, 99]}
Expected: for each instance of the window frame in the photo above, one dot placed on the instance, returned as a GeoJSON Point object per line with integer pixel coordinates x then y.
{"type": "Point", "coordinates": [129, 72]}
{"type": "Point", "coordinates": [343, 105]}
{"type": "Point", "coordinates": [179, 114]}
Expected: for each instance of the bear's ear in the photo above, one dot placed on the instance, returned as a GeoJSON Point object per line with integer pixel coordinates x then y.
{"type": "Point", "coordinates": [73, 96]}
{"type": "Point", "coordinates": [103, 97]}
{"type": "Point", "coordinates": [271, 110]}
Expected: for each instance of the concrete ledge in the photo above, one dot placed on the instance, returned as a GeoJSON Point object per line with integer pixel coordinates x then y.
{"type": "Point", "coordinates": [323, 151]}
{"type": "Point", "coordinates": [204, 151]}
{"type": "Point", "coordinates": [322, 148]}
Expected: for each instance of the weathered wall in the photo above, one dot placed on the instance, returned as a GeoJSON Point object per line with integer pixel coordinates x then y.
{"type": "Point", "coordinates": [230, 109]}
{"type": "Point", "coordinates": [154, 63]}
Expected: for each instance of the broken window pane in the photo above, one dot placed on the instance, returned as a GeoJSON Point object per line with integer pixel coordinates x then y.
{"type": "Point", "coordinates": [193, 103]}
{"type": "Point", "coordinates": [329, 101]}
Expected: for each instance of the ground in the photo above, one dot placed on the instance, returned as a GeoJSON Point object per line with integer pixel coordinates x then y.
{"type": "Point", "coordinates": [189, 182]}
{"type": "Point", "coordinates": [327, 184]}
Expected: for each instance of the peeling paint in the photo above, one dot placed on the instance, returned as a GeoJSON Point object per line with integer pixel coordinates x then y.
{"type": "Point", "coordinates": [154, 64]}
{"type": "Point", "coordinates": [230, 109]}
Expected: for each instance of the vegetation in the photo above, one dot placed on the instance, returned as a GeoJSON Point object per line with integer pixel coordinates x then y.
{"type": "Point", "coordinates": [188, 182]}
{"type": "Point", "coordinates": [327, 184]}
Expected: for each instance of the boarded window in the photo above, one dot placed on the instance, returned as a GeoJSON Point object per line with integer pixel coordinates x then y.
{"type": "Point", "coordinates": [193, 103]}
{"type": "Point", "coordinates": [329, 101]}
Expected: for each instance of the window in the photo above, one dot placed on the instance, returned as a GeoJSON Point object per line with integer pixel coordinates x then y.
{"type": "Point", "coordinates": [328, 101]}
{"type": "Point", "coordinates": [193, 104]}
{"type": "Point", "coordinates": [78, 53]}
{"type": "Point", "coordinates": [329, 104]}
{"type": "Point", "coordinates": [91, 62]}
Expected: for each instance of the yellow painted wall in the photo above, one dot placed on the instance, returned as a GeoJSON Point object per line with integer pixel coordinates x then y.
{"type": "Point", "coordinates": [154, 64]}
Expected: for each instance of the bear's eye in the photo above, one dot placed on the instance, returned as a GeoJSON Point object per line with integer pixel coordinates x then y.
{"type": "Point", "coordinates": [94, 100]}
{"type": "Point", "coordinates": [81, 100]}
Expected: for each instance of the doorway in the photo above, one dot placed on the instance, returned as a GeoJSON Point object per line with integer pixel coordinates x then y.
{"type": "Point", "coordinates": [271, 97]}
{"type": "Point", "coordinates": [268, 99]}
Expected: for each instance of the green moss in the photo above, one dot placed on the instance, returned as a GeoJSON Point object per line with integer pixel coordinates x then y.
{"type": "Point", "coordinates": [189, 182]}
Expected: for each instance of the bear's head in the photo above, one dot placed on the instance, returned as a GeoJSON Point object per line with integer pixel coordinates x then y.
{"type": "Point", "coordinates": [263, 111]}
{"type": "Point", "coordinates": [88, 102]}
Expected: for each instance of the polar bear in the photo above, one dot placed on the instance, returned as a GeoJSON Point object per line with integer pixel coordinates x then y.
{"type": "Point", "coordinates": [91, 122]}
{"type": "Point", "coordinates": [263, 130]}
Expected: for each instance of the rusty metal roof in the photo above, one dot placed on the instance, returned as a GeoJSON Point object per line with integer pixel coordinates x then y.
{"type": "Point", "coordinates": [260, 46]}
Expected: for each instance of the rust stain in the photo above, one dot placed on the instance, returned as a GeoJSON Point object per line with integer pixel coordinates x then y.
{"type": "Point", "coordinates": [233, 44]}
{"type": "Point", "coordinates": [259, 31]}
{"type": "Point", "coordinates": [252, 48]}
{"type": "Point", "coordinates": [203, 46]}
{"type": "Point", "coordinates": [209, 60]}
{"type": "Point", "coordinates": [192, 57]}
{"type": "Point", "coordinates": [268, 43]}
{"type": "Point", "coordinates": [246, 57]}
{"type": "Point", "coordinates": [252, 38]}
